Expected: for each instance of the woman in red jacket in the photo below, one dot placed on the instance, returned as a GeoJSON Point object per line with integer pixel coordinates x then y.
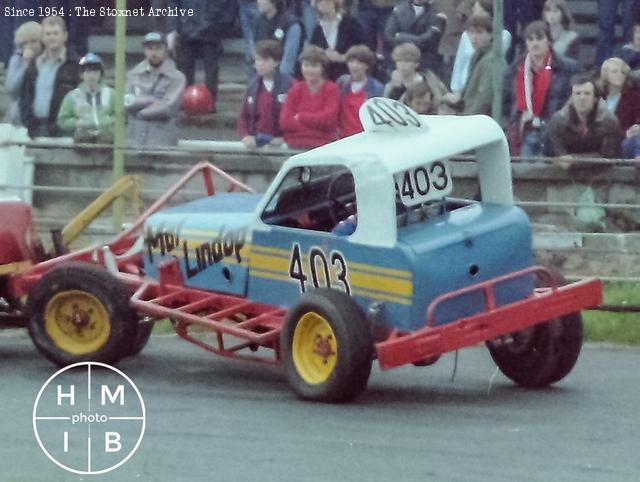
{"type": "Point", "coordinates": [309, 116]}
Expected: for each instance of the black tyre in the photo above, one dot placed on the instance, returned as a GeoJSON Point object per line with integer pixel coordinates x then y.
{"type": "Point", "coordinates": [543, 354]}
{"type": "Point", "coordinates": [327, 347]}
{"type": "Point", "coordinates": [143, 334]}
{"type": "Point", "coordinates": [80, 312]}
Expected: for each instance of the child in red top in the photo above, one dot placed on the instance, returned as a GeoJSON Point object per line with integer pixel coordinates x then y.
{"type": "Point", "coordinates": [309, 116]}
{"type": "Point", "coordinates": [258, 123]}
{"type": "Point", "coordinates": [356, 87]}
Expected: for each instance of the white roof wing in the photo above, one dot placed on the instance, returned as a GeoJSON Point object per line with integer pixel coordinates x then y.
{"type": "Point", "coordinates": [399, 148]}
{"type": "Point", "coordinates": [388, 146]}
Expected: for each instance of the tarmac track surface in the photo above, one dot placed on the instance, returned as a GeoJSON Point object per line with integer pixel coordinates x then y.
{"type": "Point", "coordinates": [211, 419]}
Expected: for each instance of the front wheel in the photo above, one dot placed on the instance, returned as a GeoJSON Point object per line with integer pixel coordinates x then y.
{"type": "Point", "coordinates": [327, 347]}
{"type": "Point", "coordinates": [81, 312]}
{"type": "Point", "coordinates": [143, 333]}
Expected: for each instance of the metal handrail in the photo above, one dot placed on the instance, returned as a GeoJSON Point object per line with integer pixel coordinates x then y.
{"type": "Point", "coordinates": [237, 147]}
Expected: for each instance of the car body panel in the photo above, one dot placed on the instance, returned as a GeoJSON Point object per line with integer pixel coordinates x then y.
{"type": "Point", "coordinates": [210, 237]}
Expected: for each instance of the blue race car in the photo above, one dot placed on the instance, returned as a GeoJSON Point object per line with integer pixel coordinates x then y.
{"type": "Point", "coordinates": [358, 250]}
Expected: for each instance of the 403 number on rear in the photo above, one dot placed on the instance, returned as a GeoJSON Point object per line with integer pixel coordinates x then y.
{"type": "Point", "coordinates": [319, 270]}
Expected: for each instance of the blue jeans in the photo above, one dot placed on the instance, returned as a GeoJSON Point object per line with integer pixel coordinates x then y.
{"type": "Point", "coordinates": [607, 16]}
{"type": "Point", "coordinates": [373, 20]}
{"type": "Point", "coordinates": [531, 143]}
{"type": "Point", "coordinates": [309, 17]}
{"type": "Point", "coordinates": [248, 13]}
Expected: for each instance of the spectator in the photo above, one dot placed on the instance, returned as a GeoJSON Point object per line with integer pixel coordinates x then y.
{"type": "Point", "coordinates": [275, 22]}
{"type": "Point", "coordinates": [420, 23]}
{"type": "Point", "coordinates": [584, 126]}
{"type": "Point", "coordinates": [87, 113]}
{"type": "Point", "coordinates": [446, 107]}
{"type": "Point", "coordinates": [457, 12]}
{"type": "Point", "coordinates": [607, 15]}
{"type": "Point", "coordinates": [477, 96]}
{"type": "Point", "coordinates": [335, 32]}
{"type": "Point", "coordinates": [535, 88]}
{"type": "Point", "coordinates": [153, 93]}
{"type": "Point", "coordinates": [304, 10]}
{"type": "Point", "coordinates": [557, 15]}
{"type": "Point", "coordinates": [356, 87]}
{"type": "Point", "coordinates": [631, 51]}
{"type": "Point", "coordinates": [47, 80]}
{"type": "Point", "coordinates": [10, 24]}
{"type": "Point", "coordinates": [309, 116]}
{"type": "Point", "coordinates": [159, 24]}
{"type": "Point", "coordinates": [248, 12]}
{"type": "Point", "coordinates": [420, 98]}
{"type": "Point", "coordinates": [517, 15]}
{"type": "Point", "coordinates": [78, 26]}
{"type": "Point", "coordinates": [28, 42]}
{"type": "Point", "coordinates": [460, 73]}
{"type": "Point", "coordinates": [407, 59]}
{"type": "Point", "coordinates": [259, 121]}
{"type": "Point", "coordinates": [197, 37]}
{"type": "Point", "coordinates": [373, 16]}
{"type": "Point", "coordinates": [6, 46]}
{"type": "Point", "coordinates": [623, 100]}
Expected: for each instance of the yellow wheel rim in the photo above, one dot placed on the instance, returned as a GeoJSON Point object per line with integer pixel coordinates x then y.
{"type": "Point", "coordinates": [315, 348]}
{"type": "Point", "coordinates": [77, 322]}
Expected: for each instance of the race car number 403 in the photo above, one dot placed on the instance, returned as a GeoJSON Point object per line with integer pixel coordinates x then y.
{"type": "Point", "coordinates": [424, 183]}
{"type": "Point", "coordinates": [388, 115]}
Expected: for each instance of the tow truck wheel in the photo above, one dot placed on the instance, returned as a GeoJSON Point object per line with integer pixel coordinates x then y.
{"type": "Point", "coordinates": [327, 347]}
{"type": "Point", "coordinates": [543, 354]}
{"type": "Point", "coordinates": [143, 334]}
{"type": "Point", "coordinates": [80, 312]}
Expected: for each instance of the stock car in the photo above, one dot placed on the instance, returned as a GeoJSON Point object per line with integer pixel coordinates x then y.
{"type": "Point", "coordinates": [358, 251]}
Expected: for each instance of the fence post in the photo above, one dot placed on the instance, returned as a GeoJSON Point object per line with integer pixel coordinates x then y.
{"type": "Point", "coordinates": [119, 133]}
{"type": "Point", "coordinates": [498, 55]}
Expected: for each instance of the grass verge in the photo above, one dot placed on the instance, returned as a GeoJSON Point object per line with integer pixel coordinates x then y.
{"type": "Point", "coordinates": [620, 328]}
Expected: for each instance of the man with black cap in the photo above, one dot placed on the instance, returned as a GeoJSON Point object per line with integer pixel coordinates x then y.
{"type": "Point", "coordinates": [153, 93]}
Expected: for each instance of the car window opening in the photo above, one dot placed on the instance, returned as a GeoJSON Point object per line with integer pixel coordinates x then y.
{"type": "Point", "coordinates": [317, 198]}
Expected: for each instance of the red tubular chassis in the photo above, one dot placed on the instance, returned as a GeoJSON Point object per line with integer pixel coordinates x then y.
{"type": "Point", "coordinates": [240, 326]}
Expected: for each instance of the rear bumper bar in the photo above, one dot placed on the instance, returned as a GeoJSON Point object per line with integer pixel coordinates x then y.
{"type": "Point", "coordinates": [546, 304]}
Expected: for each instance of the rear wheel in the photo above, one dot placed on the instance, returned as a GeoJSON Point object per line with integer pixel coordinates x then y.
{"type": "Point", "coordinates": [81, 313]}
{"type": "Point", "coordinates": [327, 347]}
{"type": "Point", "coordinates": [542, 354]}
